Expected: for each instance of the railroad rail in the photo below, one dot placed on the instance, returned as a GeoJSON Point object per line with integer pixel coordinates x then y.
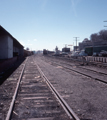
{"type": "Point", "coordinates": [15, 94]}
{"type": "Point", "coordinates": [33, 99]}
{"type": "Point", "coordinates": [66, 107]}
{"type": "Point", "coordinates": [83, 68]}
{"type": "Point", "coordinates": [89, 60]}
{"type": "Point", "coordinates": [100, 74]}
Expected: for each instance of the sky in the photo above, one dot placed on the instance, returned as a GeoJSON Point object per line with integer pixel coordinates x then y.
{"type": "Point", "coordinates": [45, 24]}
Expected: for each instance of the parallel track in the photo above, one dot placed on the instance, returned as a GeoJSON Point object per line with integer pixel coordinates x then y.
{"type": "Point", "coordinates": [66, 107]}
{"type": "Point", "coordinates": [84, 68]}
{"type": "Point", "coordinates": [59, 63]}
{"type": "Point", "coordinates": [32, 95]}
{"type": "Point", "coordinates": [78, 60]}
{"type": "Point", "coordinates": [81, 67]}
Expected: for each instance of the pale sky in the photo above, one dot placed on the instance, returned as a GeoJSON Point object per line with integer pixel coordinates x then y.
{"type": "Point", "coordinates": [45, 24]}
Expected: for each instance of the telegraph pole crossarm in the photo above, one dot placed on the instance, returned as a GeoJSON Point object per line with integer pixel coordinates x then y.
{"type": "Point", "coordinates": [105, 21]}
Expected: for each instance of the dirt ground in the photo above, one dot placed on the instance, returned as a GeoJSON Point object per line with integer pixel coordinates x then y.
{"type": "Point", "coordinates": [87, 97]}
{"type": "Point", "coordinates": [7, 89]}
{"type": "Point", "coordinates": [35, 100]}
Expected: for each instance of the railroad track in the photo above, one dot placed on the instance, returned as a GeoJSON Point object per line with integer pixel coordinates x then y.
{"type": "Point", "coordinates": [100, 64]}
{"type": "Point", "coordinates": [99, 76]}
{"type": "Point", "coordinates": [78, 65]}
{"type": "Point", "coordinates": [102, 73]}
{"type": "Point", "coordinates": [36, 99]}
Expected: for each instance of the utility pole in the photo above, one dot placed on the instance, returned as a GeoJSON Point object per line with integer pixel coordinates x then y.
{"type": "Point", "coordinates": [65, 45]}
{"type": "Point", "coordinates": [76, 42]}
{"type": "Point", "coordinates": [105, 21]}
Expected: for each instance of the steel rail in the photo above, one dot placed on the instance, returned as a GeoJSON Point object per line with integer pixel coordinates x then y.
{"type": "Point", "coordinates": [66, 107]}
{"type": "Point", "coordinates": [82, 73]}
{"type": "Point", "coordinates": [15, 94]}
{"type": "Point", "coordinates": [92, 70]}
{"type": "Point", "coordinates": [81, 67]}
{"type": "Point", "coordinates": [77, 60]}
{"type": "Point", "coordinates": [84, 68]}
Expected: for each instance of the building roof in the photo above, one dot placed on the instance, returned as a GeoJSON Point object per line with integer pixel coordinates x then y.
{"type": "Point", "coordinates": [5, 32]}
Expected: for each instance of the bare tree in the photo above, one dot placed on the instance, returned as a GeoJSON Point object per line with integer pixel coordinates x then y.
{"type": "Point", "coordinates": [94, 37]}
{"type": "Point", "coordinates": [102, 35]}
{"type": "Point", "coordinates": [27, 48]}
{"type": "Point", "coordinates": [86, 40]}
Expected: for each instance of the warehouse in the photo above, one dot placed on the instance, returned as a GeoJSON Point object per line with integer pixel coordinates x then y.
{"type": "Point", "coordinates": [65, 49]}
{"type": "Point", "coordinates": [9, 46]}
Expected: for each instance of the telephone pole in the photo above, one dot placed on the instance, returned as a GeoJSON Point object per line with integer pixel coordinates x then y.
{"type": "Point", "coordinates": [76, 42]}
{"type": "Point", "coordinates": [65, 45]}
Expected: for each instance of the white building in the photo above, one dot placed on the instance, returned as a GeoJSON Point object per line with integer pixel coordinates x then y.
{"type": "Point", "coordinates": [9, 46]}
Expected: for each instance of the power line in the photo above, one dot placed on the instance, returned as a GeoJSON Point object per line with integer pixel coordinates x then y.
{"type": "Point", "coordinates": [105, 21]}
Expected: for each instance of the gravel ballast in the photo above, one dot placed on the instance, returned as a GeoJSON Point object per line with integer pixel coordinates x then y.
{"type": "Point", "coordinates": [86, 96]}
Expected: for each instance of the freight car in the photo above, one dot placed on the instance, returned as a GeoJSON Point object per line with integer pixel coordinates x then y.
{"type": "Point", "coordinates": [65, 49]}
{"type": "Point", "coordinates": [27, 53]}
{"type": "Point", "coordinates": [95, 49]}
{"type": "Point", "coordinates": [89, 51]}
{"type": "Point", "coordinates": [45, 52]}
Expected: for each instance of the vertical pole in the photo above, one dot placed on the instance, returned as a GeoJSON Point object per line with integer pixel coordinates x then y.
{"type": "Point", "coordinates": [76, 42]}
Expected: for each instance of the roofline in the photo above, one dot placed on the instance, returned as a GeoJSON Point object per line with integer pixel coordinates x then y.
{"type": "Point", "coordinates": [11, 36]}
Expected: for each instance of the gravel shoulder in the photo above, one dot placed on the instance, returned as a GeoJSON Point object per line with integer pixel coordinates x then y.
{"type": "Point", "coordinates": [71, 62]}
{"type": "Point", "coordinates": [85, 96]}
{"type": "Point", "coordinates": [7, 89]}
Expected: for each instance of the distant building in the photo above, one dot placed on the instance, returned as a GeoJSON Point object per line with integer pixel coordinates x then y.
{"type": "Point", "coordinates": [9, 46]}
{"type": "Point", "coordinates": [76, 48]}
{"type": "Point", "coordinates": [85, 43]}
{"type": "Point", "coordinates": [65, 49]}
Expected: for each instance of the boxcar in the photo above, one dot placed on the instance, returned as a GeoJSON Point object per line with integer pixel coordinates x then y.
{"type": "Point", "coordinates": [89, 51]}
{"type": "Point", "coordinates": [45, 52]}
{"type": "Point", "coordinates": [95, 49]}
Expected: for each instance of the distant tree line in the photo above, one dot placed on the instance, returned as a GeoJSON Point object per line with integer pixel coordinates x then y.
{"type": "Point", "coordinates": [95, 37]}
{"type": "Point", "coordinates": [100, 36]}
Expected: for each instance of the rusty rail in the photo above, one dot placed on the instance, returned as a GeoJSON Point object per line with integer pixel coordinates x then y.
{"type": "Point", "coordinates": [66, 107]}
{"type": "Point", "coordinates": [15, 94]}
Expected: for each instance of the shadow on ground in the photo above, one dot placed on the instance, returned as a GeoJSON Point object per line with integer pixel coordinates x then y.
{"type": "Point", "coordinates": [5, 74]}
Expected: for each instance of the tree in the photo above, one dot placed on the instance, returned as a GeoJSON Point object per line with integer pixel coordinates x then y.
{"type": "Point", "coordinates": [85, 40]}
{"type": "Point", "coordinates": [27, 48]}
{"type": "Point", "coordinates": [56, 49]}
{"type": "Point", "coordinates": [102, 35]}
{"type": "Point", "coordinates": [94, 37]}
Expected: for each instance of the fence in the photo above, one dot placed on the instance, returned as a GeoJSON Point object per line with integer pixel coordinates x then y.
{"type": "Point", "coordinates": [95, 59]}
